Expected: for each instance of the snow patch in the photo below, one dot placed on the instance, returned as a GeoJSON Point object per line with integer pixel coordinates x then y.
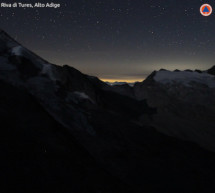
{"type": "Point", "coordinates": [83, 95]}
{"type": "Point", "coordinates": [17, 51]}
{"type": "Point", "coordinates": [47, 70]}
{"type": "Point", "coordinates": [185, 78]}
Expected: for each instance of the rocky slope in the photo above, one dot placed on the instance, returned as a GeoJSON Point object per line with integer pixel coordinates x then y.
{"type": "Point", "coordinates": [64, 131]}
{"type": "Point", "coordinates": [185, 104]}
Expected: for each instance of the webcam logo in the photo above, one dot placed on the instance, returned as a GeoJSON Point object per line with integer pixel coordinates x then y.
{"type": "Point", "coordinates": [206, 10]}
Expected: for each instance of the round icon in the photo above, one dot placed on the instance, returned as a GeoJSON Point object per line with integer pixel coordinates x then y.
{"type": "Point", "coordinates": [206, 10]}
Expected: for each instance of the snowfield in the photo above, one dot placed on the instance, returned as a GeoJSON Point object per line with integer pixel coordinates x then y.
{"type": "Point", "coordinates": [185, 78]}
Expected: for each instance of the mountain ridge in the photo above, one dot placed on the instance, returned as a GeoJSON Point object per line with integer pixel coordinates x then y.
{"type": "Point", "coordinates": [64, 131]}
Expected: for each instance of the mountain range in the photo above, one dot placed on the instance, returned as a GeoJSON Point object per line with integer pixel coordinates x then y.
{"type": "Point", "coordinates": [63, 131]}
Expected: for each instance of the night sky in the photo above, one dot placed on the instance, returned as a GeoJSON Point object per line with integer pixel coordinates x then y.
{"type": "Point", "coordinates": [117, 40]}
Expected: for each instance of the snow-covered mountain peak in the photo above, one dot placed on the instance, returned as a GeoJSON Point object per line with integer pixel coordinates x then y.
{"type": "Point", "coordinates": [21, 62]}
{"type": "Point", "coordinates": [187, 78]}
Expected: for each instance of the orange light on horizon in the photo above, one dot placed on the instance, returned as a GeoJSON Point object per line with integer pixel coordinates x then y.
{"type": "Point", "coordinates": [121, 80]}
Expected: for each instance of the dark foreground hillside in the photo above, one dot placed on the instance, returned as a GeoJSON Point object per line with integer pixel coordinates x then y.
{"type": "Point", "coordinates": [66, 132]}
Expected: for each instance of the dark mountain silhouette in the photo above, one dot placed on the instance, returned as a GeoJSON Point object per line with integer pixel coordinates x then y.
{"type": "Point", "coordinates": [64, 131]}
{"type": "Point", "coordinates": [212, 70]}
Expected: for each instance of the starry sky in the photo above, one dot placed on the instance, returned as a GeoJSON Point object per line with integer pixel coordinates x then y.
{"type": "Point", "coordinates": [116, 40]}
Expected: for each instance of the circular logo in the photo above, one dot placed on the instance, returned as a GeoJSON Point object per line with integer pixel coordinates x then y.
{"type": "Point", "coordinates": [206, 10]}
